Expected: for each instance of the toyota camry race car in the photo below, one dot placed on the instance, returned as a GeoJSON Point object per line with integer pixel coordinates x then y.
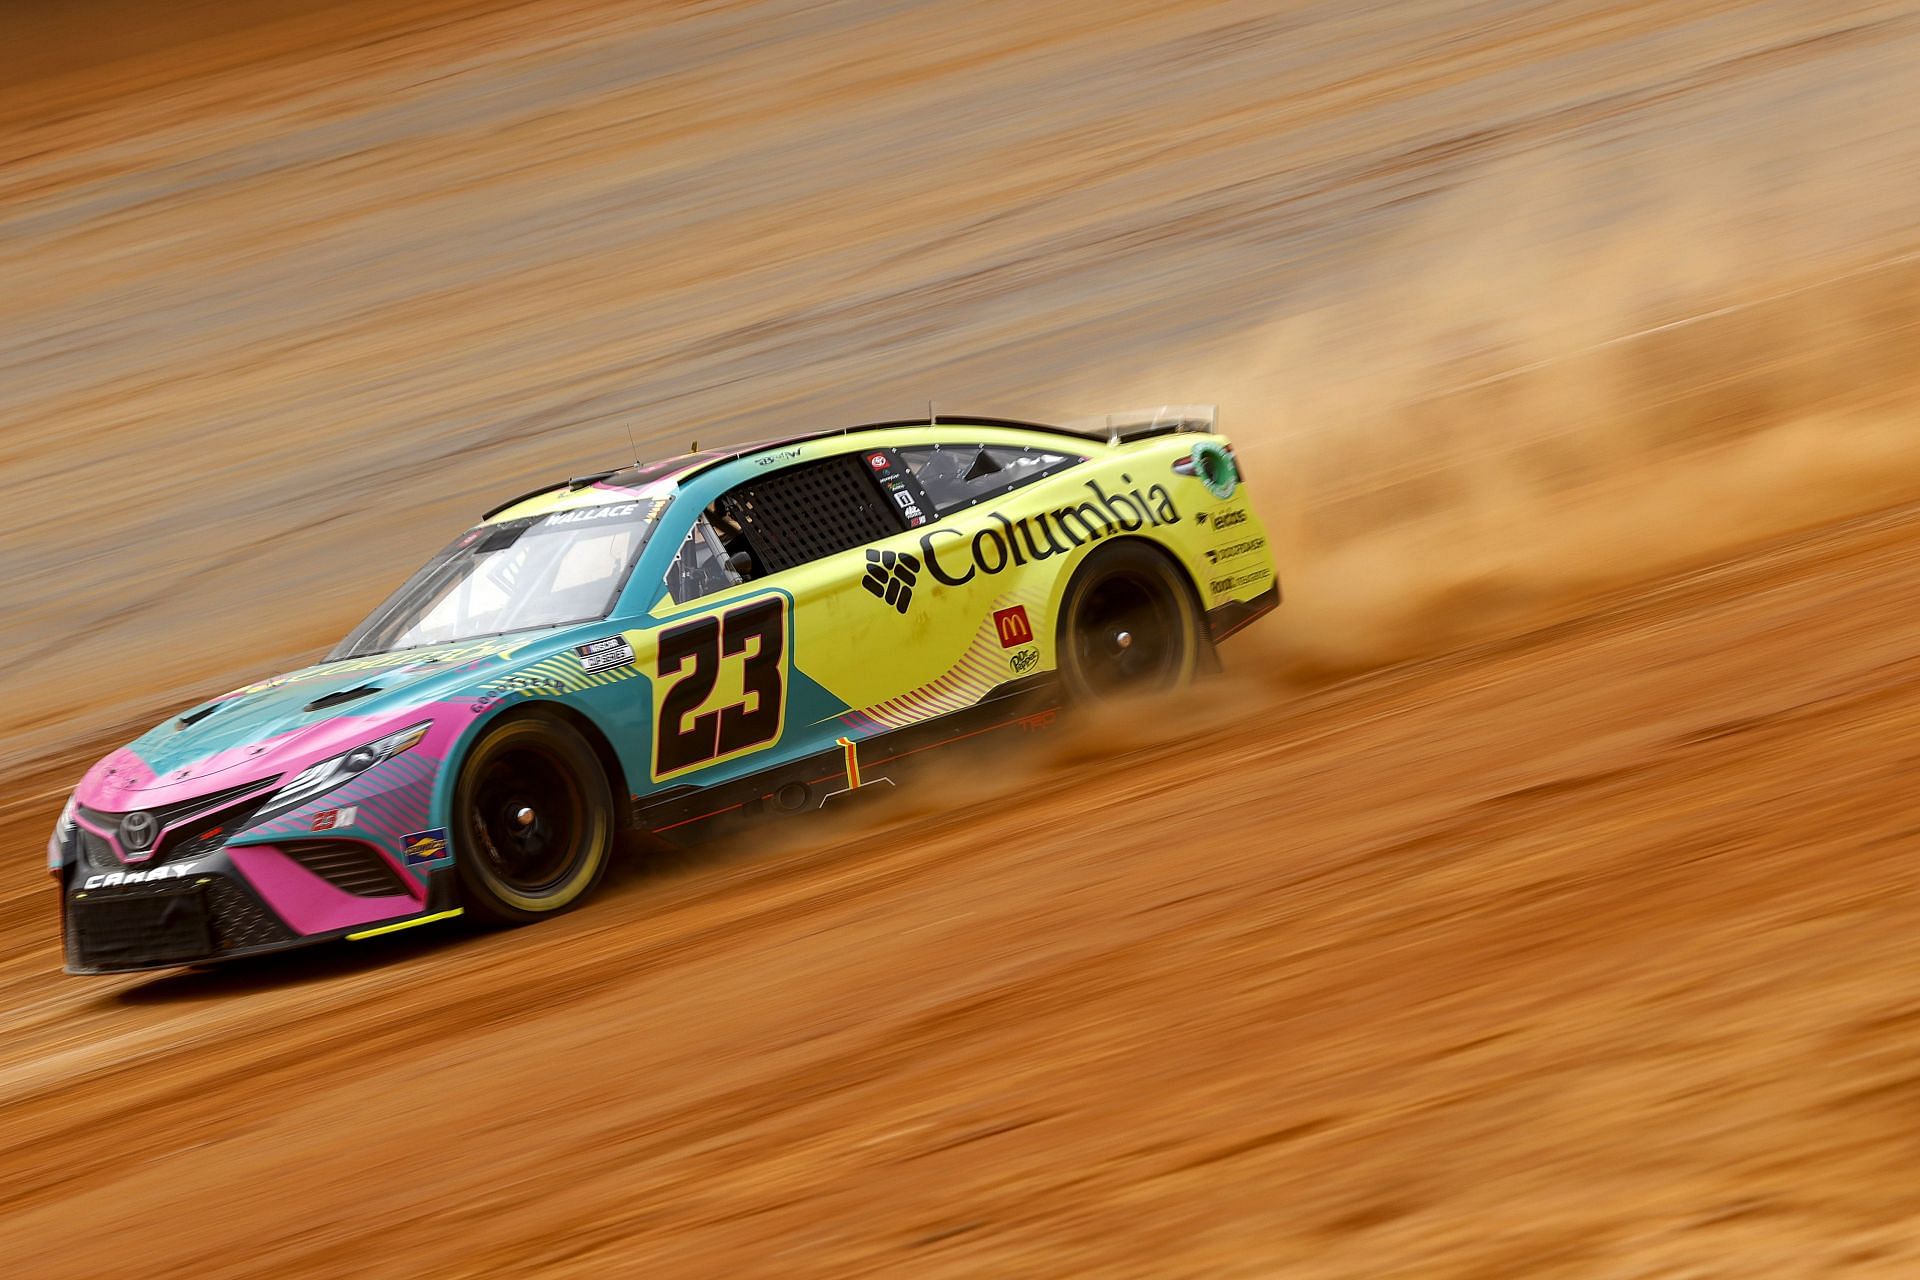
{"type": "Point", "coordinates": [744, 630]}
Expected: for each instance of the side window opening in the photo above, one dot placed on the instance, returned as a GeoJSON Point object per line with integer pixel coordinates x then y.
{"type": "Point", "coordinates": [732, 537]}
{"type": "Point", "coordinates": [701, 566]}
{"type": "Point", "coordinates": [957, 476]}
{"type": "Point", "coordinates": [983, 466]}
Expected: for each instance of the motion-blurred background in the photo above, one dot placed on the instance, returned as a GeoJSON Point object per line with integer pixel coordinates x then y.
{"type": "Point", "coordinates": [1534, 900]}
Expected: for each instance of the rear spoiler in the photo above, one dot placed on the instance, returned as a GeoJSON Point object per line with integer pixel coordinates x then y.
{"type": "Point", "coordinates": [1108, 428]}
{"type": "Point", "coordinates": [1142, 424]}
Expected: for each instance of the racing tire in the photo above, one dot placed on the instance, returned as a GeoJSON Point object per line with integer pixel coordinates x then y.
{"type": "Point", "coordinates": [535, 821]}
{"type": "Point", "coordinates": [1128, 625]}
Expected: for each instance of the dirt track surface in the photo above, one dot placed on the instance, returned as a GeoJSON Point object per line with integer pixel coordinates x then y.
{"type": "Point", "coordinates": [1584, 951]}
{"type": "Point", "coordinates": [1584, 954]}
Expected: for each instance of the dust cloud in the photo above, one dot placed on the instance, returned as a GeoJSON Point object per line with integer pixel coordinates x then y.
{"type": "Point", "coordinates": [1519, 409]}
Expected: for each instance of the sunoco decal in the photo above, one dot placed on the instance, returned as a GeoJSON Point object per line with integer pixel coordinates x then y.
{"type": "Point", "coordinates": [423, 847]}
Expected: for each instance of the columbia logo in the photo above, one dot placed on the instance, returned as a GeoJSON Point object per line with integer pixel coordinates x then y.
{"type": "Point", "coordinates": [890, 576]}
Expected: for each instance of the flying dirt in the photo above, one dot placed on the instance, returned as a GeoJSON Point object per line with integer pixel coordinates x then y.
{"type": "Point", "coordinates": [1532, 899]}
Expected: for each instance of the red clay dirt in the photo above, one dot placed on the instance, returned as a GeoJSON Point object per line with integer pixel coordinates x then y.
{"type": "Point", "coordinates": [1571, 937]}
{"type": "Point", "coordinates": [1585, 953]}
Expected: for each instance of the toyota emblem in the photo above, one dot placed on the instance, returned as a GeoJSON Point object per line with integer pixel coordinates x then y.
{"type": "Point", "coordinates": [137, 831]}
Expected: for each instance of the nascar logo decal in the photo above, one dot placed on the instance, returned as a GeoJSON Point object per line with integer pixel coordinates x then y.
{"type": "Point", "coordinates": [609, 651]}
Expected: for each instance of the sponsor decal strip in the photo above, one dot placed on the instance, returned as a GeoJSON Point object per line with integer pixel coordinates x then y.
{"type": "Point", "coordinates": [1005, 543]}
{"type": "Point", "coordinates": [1229, 518]}
{"type": "Point", "coordinates": [978, 670]}
{"type": "Point", "coordinates": [1001, 543]}
{"type": "Point", "coordinates": [1234, 550]}
{"type": "Point", "coordinates": [610, 663]}
{"type": "Point", "coordinates": [1227, 585]}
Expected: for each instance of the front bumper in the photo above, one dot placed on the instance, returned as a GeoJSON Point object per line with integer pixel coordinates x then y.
{"type": "Point", "coordinates": [192, 920]}
{"type": "Point", "coordinates": [191, 879]}
{"type": "Point", "coordinates": [238, 901]}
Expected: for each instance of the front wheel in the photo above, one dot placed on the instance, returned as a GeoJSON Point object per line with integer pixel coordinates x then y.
{"type": "Point", "coordinates": [536, 820]}
{"type": "Point", "coordinates": [1128, 625]}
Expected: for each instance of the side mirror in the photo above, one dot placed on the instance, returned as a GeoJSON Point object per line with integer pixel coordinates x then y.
{"type": "Point", "coordinates": [742, 565]}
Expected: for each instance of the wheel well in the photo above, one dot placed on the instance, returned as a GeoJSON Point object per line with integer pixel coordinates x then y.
{"type": "Point", "coordinates": [1178, 566]}
{"type": "Point", "coordinates": [602, 750]}
{"type": "Point", "coordinates": [1209, 656]}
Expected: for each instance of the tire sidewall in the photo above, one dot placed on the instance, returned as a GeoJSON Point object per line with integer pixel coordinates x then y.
{"type": "Point", "coordinates": [1144, 559]}
{"type": "Point", "coordinates": [485, 896]}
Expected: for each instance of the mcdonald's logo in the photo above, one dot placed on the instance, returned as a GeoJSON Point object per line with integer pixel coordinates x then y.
{"type": "Point", "coordinates": [1013, 626]}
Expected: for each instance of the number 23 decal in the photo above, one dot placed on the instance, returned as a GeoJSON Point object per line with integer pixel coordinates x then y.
{"type": "Point", "coordinates": [750, 638]}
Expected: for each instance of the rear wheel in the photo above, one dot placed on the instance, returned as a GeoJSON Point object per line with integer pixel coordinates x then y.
{"type": "Point", "coordinates": [1128, 625]}
{"type": "Point", "coordinates": [536, 820]}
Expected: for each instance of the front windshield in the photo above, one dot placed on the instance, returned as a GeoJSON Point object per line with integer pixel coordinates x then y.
{"type": "Point", "coordinates": [518, 575]}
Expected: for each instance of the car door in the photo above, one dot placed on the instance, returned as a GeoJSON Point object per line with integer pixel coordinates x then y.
{"type": "Point", "coordinates": [893, 639]}
{"type": "Point", "coordinates": [756, 597]}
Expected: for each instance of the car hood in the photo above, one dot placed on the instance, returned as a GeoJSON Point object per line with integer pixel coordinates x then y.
{"type": "Point", "coordinates": [285, 723]}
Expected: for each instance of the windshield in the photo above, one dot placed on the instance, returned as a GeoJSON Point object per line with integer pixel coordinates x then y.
{"type": "Point", "coordinates": [518, 575]}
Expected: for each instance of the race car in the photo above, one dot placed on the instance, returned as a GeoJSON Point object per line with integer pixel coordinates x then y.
{"type": "Point", "coordinates": [762, 629]}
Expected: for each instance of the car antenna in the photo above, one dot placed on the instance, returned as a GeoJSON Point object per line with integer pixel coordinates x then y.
{"type": "Point", "coordinates": [933, 414]}
{"type": "Point", "coordinates": [630, 444]}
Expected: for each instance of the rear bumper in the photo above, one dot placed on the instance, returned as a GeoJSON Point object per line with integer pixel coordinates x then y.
{"type": "Point", "coordinates": [1237, 615]}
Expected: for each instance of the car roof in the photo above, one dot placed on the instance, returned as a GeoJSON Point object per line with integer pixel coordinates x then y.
{"type": "Point", "coordinates": [659, 479]}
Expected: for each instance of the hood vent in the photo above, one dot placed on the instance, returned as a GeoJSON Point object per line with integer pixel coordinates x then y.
{"type": "Point", "coordinates": [327, 700]}
{"type": "Point", "coordinates": [195, 716]}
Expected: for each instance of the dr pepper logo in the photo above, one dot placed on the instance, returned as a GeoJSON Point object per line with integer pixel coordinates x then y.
{"type": "Point", "coordinates": [1013, 627]}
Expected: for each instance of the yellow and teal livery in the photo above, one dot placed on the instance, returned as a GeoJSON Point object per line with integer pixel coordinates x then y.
{"type": "Point", "coordinates": [752, 629]}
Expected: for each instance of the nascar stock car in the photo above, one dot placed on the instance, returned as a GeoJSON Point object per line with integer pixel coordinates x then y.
{"type": "Point", "coordinates": [755, 629]}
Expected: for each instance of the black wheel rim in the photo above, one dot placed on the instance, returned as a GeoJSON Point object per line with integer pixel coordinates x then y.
{"type": "Point", "coordinates": [1126, 635]}
{"type": "Point", "coordinates": [529, 819]}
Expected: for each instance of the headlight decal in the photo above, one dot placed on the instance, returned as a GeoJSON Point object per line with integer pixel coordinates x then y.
{"type": "Point", "coordinates": [64, 832]}
{"type": "Point", "coordinates": [317, 780]}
